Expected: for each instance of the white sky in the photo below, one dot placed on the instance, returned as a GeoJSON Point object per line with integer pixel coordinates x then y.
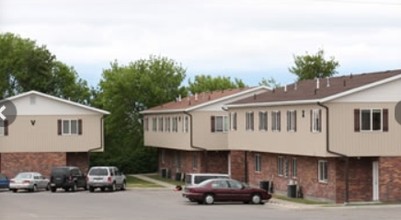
{"type": "Point", "coordinates": [246, 39]}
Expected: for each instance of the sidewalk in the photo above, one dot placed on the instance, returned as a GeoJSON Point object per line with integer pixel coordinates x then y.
{"type": "Point", "coordinates": [161, 183]}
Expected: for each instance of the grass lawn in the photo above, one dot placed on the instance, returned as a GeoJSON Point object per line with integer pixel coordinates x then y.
{"type": "Point", "coordinates": [167, 180]}
{"type": "Point", "coordinates": [139, 183]}
{"type": "Point", "coordinates": [299, 200]}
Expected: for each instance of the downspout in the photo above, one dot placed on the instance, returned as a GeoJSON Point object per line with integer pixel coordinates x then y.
{"type": "Point", "coordinates": [191, 140]}
{"type": "Point", "coordinates": [101, 139]}
{"type": "Point", "coordinates": [345, 157]}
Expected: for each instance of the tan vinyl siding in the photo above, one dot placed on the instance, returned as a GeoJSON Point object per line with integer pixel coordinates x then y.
{"type": "Point", "coordinates": [203, 136]}
{"type": "Point", "coordinates": [344, 139]}
{"type": "Point", "coordinates": [299, 142]}
{"type": "Point", "coordinates": [24, 136]}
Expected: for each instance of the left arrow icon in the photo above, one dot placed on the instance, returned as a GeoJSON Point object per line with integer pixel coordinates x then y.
{"type": "Point", "coordinates": [2, 108]}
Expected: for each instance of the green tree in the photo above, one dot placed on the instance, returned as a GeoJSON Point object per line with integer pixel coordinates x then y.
{"type": "Point", "coordinates": [206, 83]}
{"type": "Point", "coordinates": [25, 66]}
{"type": "Point", "coordinates": [271, 83]}
{"type": "Point", "coordinates": [125, 91]}
{"type": "Point", "coordinates": [313, 66]}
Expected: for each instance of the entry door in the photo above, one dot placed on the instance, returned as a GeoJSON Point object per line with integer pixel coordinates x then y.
{"type": "Point", "coordinates": [375, 175]}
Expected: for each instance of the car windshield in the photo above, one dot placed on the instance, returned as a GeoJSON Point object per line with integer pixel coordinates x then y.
{"type": "Point", "coordinates": [24, 176]}
{"type": "Point", "coordinates": [98, 172]}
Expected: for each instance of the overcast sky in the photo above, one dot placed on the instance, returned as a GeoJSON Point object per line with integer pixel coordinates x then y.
{"type": "Point", "coordinates": [246, 39]}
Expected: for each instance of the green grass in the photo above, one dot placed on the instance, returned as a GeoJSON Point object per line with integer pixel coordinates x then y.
{"type": "Point", "coordinates": [299, 200]}
{"type": "Point", "coordinates": [166, 180]}
{"type": "Point", "coordinates": [139, 183]}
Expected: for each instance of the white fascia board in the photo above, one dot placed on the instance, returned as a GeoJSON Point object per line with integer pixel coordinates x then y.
{"type": "Point", "coordinates": [59, 100]}
{"type": "Point", "coordinates": [163, 111]}
{"type": "Point", "coordinates": [266, 104]}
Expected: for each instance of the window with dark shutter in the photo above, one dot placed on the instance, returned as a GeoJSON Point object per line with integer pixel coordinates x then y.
{"type": "Point", "coordinates": [79, 126]}
{"type": "Point", "coordinates": [357, 123]}
{"type": "Point", "coordinates": [5, 127]}
{"type": "Point", "coordinates": [385, 120]}
{"type": "Point", "coordinates": [213, 128]}
{"type": "Point", "coordinates": [59, 126]}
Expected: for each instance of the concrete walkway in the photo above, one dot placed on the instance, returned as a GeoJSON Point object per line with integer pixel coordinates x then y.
{"type": "Point", "coordinates": [161, 183]}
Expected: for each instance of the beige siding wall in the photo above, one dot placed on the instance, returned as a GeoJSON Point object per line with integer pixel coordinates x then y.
{"type": "Point", "coordinates": [300, 142]}
{"type": "Point", "coordinates": [203, 135]}
{"type": "Point", "coordinates": [344, 139]}
{"type": "Point", "coordinates": [43, 137]}
{"type": "Point", "coordinates": [173, 140]}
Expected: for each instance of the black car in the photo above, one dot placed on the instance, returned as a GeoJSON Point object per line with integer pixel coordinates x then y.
{"type": "Point", "coordinates": [68, 178]}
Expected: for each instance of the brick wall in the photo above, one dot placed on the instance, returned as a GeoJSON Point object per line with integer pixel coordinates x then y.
{"type": "Point", "coordinates": [78, 159]}
{"type": "Point", "coordinates": [390, 178]}
{"type": "Point", "coordinates": [13, 163]}
{"type": "Point", "coordinates": [177, 161]}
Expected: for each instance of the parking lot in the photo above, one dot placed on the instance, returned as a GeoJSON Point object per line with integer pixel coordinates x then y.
{"type": "Point", "coordinates": [154, 204]}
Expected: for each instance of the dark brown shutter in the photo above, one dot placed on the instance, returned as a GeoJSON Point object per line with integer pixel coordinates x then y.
{"type": "Point", "coordinates": [79, 126]}
{"type": "Point", "coordinates": [385, 120]}
{"type": "Point", "coordinates": [59, 126]}
{"type": "Point", "coordinates": [288, 121]}
{"type": "Point", "coordinates": [320, 120]}
{"type": "Point", "coordinates": [311, 120]}
{"type": "Point", "coordinates": [357, 123]}
{"type": "Point", "coordinates": [295, 121]}
{"type": "Point", "coordinates": [279, 121]}
{"type": "Point", "coordinates": [213, 129]}
{"type": "Point", "coordinates": [5, 127]}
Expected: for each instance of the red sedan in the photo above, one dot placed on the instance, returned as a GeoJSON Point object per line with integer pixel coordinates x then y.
{"type": "Point", "coordinates": [216, 190]}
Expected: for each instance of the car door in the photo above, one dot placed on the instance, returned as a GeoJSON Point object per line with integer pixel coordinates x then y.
{"type": "Point", "coordinates": [221, 190]}
{"type": "Point", "coordinates": [39, 181]}
{"type": "Point", "coordinates": [238, 191]}
{"type": "Point", "coordinates": [118, 176]}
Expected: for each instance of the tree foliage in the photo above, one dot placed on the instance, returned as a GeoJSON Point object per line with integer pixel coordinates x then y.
{"type": "Point", "coordinates": [25, 66]}
{"type": "Point", "coordinates": [271, 83]}
{"type": "Point", "coordinates": [206, 83]}
{"type": "Point", "coordinates": [313, 66]}
{"type": "Point", "coordinates": [125, 91]}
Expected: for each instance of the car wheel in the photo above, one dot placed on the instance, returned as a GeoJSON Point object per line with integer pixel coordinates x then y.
{"type": "Point", "coordinates": [256, 199]}
{"type": "Point", "coordinates": [35, 188]}
{"type": "Point", "coordinates": [91, 189]}
{"type": "Point", "coordinates": [53, 189]}
{"type": "Point", "coordinates": [209, 199]}
{"type": "Point", "coordinates": [48, 187]}
{"type": "Point", "coordinates": [15, 190]}
{"type": "Point", "coordinates": [102, 189]}
{"type": "Point", "coordinates": [124, 186]}
{"type": "Point", "coordinates": [74, 187]}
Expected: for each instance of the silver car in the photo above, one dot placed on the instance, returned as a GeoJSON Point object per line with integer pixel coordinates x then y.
{"type": "Point", "coordinates": [105, 177]}
{"type": "Point", "coordinates": [31, 181]}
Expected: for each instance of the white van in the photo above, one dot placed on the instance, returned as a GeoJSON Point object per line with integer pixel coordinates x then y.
{"type": "Point", "coordinates": [193, 179]}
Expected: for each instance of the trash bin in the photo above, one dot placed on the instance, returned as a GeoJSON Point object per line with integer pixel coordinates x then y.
{"type": "Point", "coordinates": [292, 190]}
{"type": "Point", "coordinates": [264, 185]}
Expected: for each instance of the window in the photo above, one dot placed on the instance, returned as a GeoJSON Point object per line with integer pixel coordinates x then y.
{"type": "Point", "coordinates": [249, 121]}
{"type": "Point", "coordinates": [219, 123]}
{"type": "Point", "coordinates": [292, 120]}
{"type": "Point", "coordinates": [220, 184]}
{"type": "Point", "coordinates": [280, 166]}
{"type": "Point", "coordinates": [294, 168]}
{"type": "Point", "coordinates": [316, 120]}
{"type": "Point", "coordinates": [263, 121]}
{"type": "Point", "coordinates": [175, 124]}
{"type": "Point", "coordinates": [194, 160]}
{"type": "Point", "coordinates": [146, 124]}
{"type": "Point", "coordinates": [69, 127]}
{"type": "Point", "coordinates": [371, 119]}
{"type": "Point", "coordinates": [154, 124]}
{"type": "Point", "coordinates": [276, 121]}
{"type": "Point", "coordinates": [185, 124]}
{"type": "Point", "coordinates": [233, 121]}
{"type": "Point", "coordinates": [162, 155]}
{"type": "Point", "coordinates": [286, 167]}
{"type": "Point", "coordinates": [3, 128]}
{"type": "Point", "coordinates": [322, 171]}
{"type": "Point", "coordinates": [161, 124]}
{"type": "Point", "coordinates": [258, 163]}
{"type": "Point", "coordinates": [167, 124]}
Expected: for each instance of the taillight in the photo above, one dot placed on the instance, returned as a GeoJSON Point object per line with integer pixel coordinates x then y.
{"type": "Point", "coordinates": [26, 181]}
{"type": "Point", "coordinates": [12, 181]}
{"type": "Point", "coordinates": [109, 179]}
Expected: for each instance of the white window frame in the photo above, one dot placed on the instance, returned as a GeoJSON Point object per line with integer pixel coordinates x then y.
{"type": "Point", "coordinates": [220, 124]}
{"type": "Point", "coordinates": [194, 160]}
{"type": "Point", "coordinates": [167, 125]}
{"type": "Point", "coordinates": [276, 121]}
{"type": "Point", "coordinates": [371, 121]}
{"type": "Point", "coordinates": [258, 163]}
{"type": "Point", "coordinates": [161, 124]}
{"type": "Point", "coordinates": [175, 124]}
{"type": "Point", "coordinates": [263, 121]}
{"type": "Point", "coordinates": [280, 166]}
{"type": "Point", "coordinates": [322, 171]}
{"type": "Point", "coordinates": [294, 168]}
{"type": "Point", "coordinates": [146, 123]}
{"type": "Point", "coordinates": [249, 121]}
{"type": "Point", "coordinates": [316, 121]}
{"type": "Point", "coordinates": [70, 126]}
{"type": "Point", "coordinates": [291, 120]}
{"type": "Point", "coordinates": [233, 121]}
{"type": "Point", "coordinates": [185, 124]}
{"type": "Point", "coordinates": [154, 124]}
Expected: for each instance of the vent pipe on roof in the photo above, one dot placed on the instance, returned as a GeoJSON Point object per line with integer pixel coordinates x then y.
{"type": "Point", "coordinates": [328, 81]}
{"type": "Point", "coordinates": [285, 88]}
{"type": "Point", "coordinates": [295, 86]}
{"type": "Point", "coordinates": [317, 83]}
{"type": "Point", "coordinates": [254, 96]}
{"type": "Point", "coordinates": [196, 96]}
{"type": "Point", "coordinates": [345, 83]}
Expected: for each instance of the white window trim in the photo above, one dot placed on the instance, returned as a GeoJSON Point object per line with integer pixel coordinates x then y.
{"type": "Point", "coordinates": [292, 120]}
{"type": "Point", "coordinates": [280, 166]}
{"type": "Point", "coordinates": [371, 119]}
{"type": "Point", "coordinates": [258, 163]}
{"type": "Point", "coordinates": [69, 127]}
{"type": "Point", "coordinates": [264, 122]}
{"type": "Point", "coordinates": [294, 167]}
{"type": "Point", "coordinates": [224, 125]}
{"type": "Point", "coordinates": [249, 123]}
{"type": "Point", "coordinates": [320, 179]}
{"type": "Point", "coordinates": [315, 115]}
{"type": "Point", "coordinates": [276, 121]}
